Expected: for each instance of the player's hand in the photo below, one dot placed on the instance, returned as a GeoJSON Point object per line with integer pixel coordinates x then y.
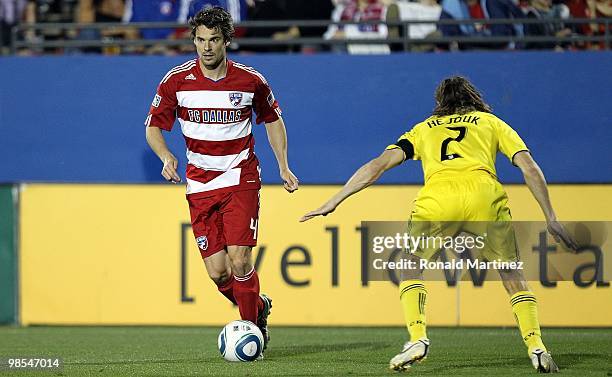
{"type": "Point", "coordinates": [560, 234]}
{"type": "Point", "coordinates": [169, 169]}
{"type": "Point", "coordinates": [290, 181]}
{"type": "Point", "coordinates": [324, 210]}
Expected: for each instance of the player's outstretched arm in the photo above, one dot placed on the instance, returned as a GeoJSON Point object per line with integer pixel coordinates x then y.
{"type": "Point", "coordinates": [156, 141]}
{"type": "Point", "coordinates": [363, 177]}
{"type": "Point", "coordinates": [534, 178]}
{"type": "Point", "coordinates": [277, 136]}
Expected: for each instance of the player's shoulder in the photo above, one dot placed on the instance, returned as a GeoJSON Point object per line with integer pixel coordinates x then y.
{"type": "Point", "coordinates": [424, 122]}
{"type": "Point", "coordinates": [248, 72]}
{"type": "Point", "coordinates": [412, 132]}
{"type": "Point", "coordinates": [492, 118]}
{"type": "Point", "coordinates": [179, 71]}
{"type": "Point", "coordinates": [428, 119]}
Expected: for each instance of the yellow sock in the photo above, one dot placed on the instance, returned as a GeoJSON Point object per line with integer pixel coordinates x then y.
{"type": "Point", "coordinates": [525, 311]}
{"type": "Point", "coordinates": [412, 296]}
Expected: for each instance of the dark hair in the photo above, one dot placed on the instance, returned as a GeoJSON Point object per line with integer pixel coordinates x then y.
{"type": "Point", "coordinates": [213, 18]}
{"type": "Point", "coordinates": [457, 95]}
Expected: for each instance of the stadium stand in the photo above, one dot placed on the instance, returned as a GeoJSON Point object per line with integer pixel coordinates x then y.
{"type": "Point", "coordinates": [88, 26]}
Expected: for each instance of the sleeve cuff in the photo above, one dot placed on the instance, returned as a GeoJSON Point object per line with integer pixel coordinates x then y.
{"type": "Point", "coordinates": [160, 127]}
{"type": "Point", "coordinates": [269, 119]}
{"type": "Point", "coordinates": [521, 150]}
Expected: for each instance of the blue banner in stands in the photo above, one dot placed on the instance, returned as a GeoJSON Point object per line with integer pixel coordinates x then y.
{"type": "Point", "coordinates": [80, 118]}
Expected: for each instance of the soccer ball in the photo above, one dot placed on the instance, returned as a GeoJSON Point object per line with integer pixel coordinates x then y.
{"type": "Point", "coordinates": [240, 341]}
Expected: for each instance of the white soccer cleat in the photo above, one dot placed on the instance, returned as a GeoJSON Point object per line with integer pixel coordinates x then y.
{"type": "Point", "coordinates": [411, 353]}
{"type": "Point", "coordinates": [543, 362]}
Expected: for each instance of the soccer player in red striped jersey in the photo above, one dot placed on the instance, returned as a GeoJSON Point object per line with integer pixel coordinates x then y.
{"type": "Point", "coordinates": [214, 99]}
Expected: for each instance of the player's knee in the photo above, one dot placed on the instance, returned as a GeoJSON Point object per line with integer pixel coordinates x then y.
{"type": "Point", "coordinates": [241, 263]}
{"type": "Point", "coordinates": [239, 256]}
{"type": "Point", "coordinates": [511, 275]}
{"type": "Point", "coordinates": [412, 273]}
{"type": "Point", "coordinates": [513, 280]}
{"type": "Point", "coordinates": [241, 266]}
{"type": "Point", "coordinates": [220, 277]}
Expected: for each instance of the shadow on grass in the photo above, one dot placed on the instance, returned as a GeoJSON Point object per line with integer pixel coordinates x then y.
{"type": "Point", "coordinates": [570, 360]}
{"type": "Point", "coordinates": [502, 364]}
{"type": "Point", "coordinates": [274, 354]}
{"type": "Point", "coordinates": [140, 362]}
{"type": "Point", "coordinates": [300, 350]}
{"type": "Point", "coordinates": [565, 361]}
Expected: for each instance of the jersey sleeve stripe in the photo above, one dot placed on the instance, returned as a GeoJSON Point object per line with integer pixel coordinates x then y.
{"type": "Point", "coordinates": [181, 68]}
{"type": "Point", "coordinates": [176, 68]}
{"type": "Point", "coordinates": [187, 68]}
{"type": "Point", "coordinates": [251, 71]}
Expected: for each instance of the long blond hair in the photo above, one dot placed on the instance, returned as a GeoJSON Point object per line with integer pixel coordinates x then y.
{"type": "Point", "coordinates": [457, 95]}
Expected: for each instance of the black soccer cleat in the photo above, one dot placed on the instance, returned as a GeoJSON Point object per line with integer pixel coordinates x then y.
{"type": "Point", "coordinates": [262, 319]}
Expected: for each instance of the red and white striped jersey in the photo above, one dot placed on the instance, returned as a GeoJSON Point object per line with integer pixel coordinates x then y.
{"type": "Point", "coordinates": [215, 118]}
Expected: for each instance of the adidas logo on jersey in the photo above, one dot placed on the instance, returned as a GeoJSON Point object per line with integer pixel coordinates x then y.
{"type": "Point", "coordinates": [190, 77]}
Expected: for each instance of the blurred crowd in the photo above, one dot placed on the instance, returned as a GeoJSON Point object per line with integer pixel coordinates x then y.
{"type": "Point", "coordinates": [556, 13]}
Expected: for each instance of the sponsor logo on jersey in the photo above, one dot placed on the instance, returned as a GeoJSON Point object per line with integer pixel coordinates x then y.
{"type": "Point", "coordinates": [190, 77]}
{"type": "Point", "coordinates": [202, 242]}
{"type": "Point", "coordinates": [235, 99]}
{"type": "Point", "coordinates": [214, 116]}
{"type": "Point", "coordinates": [157, 100]}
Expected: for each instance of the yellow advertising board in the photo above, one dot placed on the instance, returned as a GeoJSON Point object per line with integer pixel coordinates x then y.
{"type": "Point", "coordinates": [125, 254]}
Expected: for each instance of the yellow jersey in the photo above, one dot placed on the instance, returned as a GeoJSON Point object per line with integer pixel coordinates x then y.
{"type": "Point", "coordinates": [456, 144]}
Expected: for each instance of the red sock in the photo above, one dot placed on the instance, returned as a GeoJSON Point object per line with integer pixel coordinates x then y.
{"type": "Point", "coordinates": [246, 293]}
{"type": "Point", "coordinates": [227, 289]}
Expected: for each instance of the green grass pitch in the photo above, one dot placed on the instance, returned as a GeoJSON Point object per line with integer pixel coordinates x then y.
{"type": "Point", "coordinates": [192, 351]}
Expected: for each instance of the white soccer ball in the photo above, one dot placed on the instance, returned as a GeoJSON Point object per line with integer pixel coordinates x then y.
{"type": "Point", "coordinates": [240, 341]}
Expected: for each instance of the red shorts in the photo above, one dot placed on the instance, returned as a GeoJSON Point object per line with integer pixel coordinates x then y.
{"type": "Point", "coordinates": [228, 218]}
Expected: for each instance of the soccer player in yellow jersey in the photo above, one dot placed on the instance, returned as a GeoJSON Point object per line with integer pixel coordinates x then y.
{"type": "Point", "coordinates": [457, 146]}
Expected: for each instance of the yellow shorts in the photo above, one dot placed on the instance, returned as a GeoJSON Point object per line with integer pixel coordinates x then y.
{"type": "Point", "coordinates": [474, 203]}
